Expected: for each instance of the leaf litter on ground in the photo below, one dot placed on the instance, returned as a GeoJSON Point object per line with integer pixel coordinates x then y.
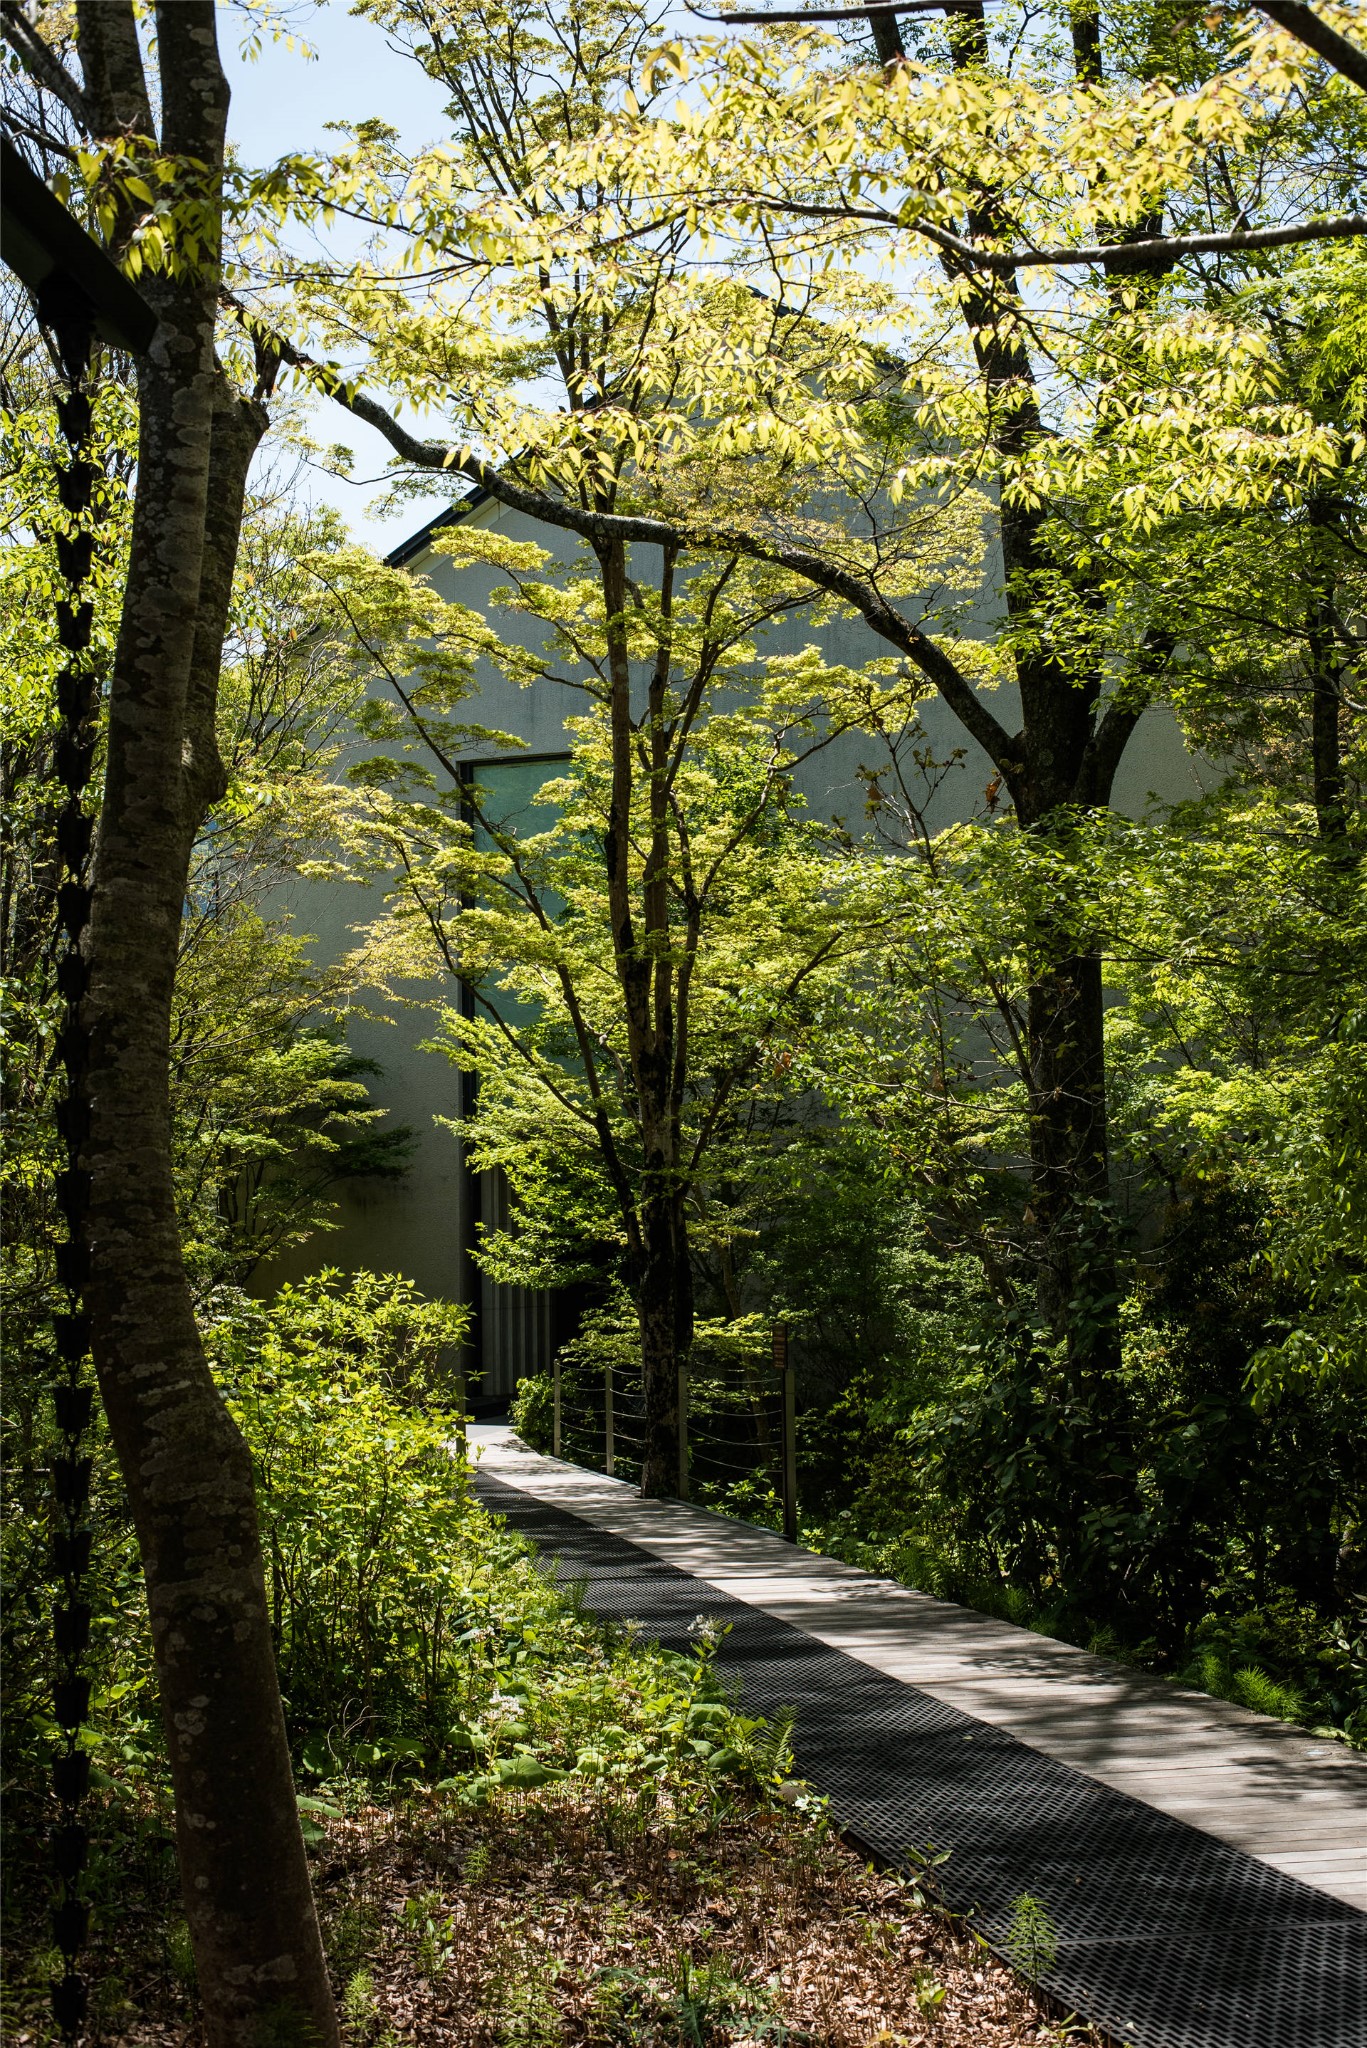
{"type": "Point", "coordinates": [574, 1916]}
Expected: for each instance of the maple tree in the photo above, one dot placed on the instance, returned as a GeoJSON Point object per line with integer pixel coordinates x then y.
{"type": "Point", "coordinates": [890, 360]}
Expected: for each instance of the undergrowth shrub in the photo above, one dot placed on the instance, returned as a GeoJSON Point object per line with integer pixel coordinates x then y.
{"type": "Point", "coordinates": [530, 1410]}
{"type": "Point", "coordinates": [375, 1323]}
{"type": "Point", "coordinates": [415, 1635]}
{"type": "Point", "coordinates": [343, 1390]}
{"type": "Point", "coordinates": [421, 1645]}
{"type": "Point", "coordinates": [1246, 1684]}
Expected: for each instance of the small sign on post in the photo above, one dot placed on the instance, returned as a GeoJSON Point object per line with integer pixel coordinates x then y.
{"type": "Point", "coordinates": [555, 1407]}
{"type": "Point", "coordinates": [783, 1367]}
{"type": "Point", "coordinates": [609, 1445]}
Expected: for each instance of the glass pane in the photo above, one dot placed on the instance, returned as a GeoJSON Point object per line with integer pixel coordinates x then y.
{"type": "Point", "coordinates": [508, 790]}
{"type": "Point", "coordinates": [507, 793]}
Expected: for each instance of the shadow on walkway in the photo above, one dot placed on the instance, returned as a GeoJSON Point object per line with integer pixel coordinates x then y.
{"type": "Point", "coordinates": [1167, 1937]}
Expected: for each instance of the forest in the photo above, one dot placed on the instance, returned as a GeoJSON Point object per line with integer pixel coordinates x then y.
{"type": "Point", "coordinates": [865, 377]}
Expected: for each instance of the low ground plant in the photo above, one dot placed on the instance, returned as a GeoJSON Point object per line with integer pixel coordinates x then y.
{"type": "Point", "coordinates": [420, 1645]}
{"type": "Point", "coordinates": [605, 1912]}
{"type": "Point", "coordinates": [651, 1914]}
{"type": "Point", "coordinates": [528, 1829]}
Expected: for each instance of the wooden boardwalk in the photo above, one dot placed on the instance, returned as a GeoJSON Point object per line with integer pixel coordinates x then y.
{"type": "Point", "coordinates": [1294, 1803]}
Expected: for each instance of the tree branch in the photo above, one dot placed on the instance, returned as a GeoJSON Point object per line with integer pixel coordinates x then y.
{"type": "Point", "coordinates": [1169, 248]}
{"type": "Point", "coordinates": [601, 529]}
{"type": "Point", "coordinates": [1349, 59]}
{"type": "Point", "coordinates": [42, 64]}
{"type": "Point", "coordinates": [1165, 248]}
{"type": "Point", "coordinates": [1297, 17]}
{"type": "Point", "coordinates": [44, 139]}
{"type": "Point", "coordinates": [752, 18]}
{"type": "Point", "coordinates": [1102, 756]}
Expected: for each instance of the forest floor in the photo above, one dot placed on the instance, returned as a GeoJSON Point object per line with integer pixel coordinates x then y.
{"type": "Point", "coordinates": [566, 1918]}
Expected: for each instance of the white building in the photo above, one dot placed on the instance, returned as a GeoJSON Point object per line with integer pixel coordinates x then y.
{"type": "Point", "coordinates": [424, 1224]}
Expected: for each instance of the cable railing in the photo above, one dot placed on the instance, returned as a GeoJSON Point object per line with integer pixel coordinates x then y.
{"type": "Point", "coordinates": [737, 1435]}
{"type": "Point", "coordinates": [598, 1417]}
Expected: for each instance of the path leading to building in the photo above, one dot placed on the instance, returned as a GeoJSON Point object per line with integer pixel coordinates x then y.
{"type": "Point", "coordinates": [1205, 1869]}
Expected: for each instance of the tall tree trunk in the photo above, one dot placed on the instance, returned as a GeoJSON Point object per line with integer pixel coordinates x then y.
{"type": "Point", "coordinates": [1326, 714]}
{"type": "Point", "coordinates": [189, 1475]}
{"type": "Point", "coordinates": [664, 1307]}
{"type": "Point", "coordinates": [1065, 755]}
{"type": "Point", "coordinates": [1077, 1281]}
{"type": "Point", "coordinates": [661, 1274]}
{"type": "Point", "coordinates": [1077, 1286]}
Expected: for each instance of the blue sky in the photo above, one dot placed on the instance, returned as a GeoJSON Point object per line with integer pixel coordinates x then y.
{"type": "Point", "coordinates": [282, 102]}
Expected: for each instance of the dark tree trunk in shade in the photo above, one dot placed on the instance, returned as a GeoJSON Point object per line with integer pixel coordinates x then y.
{"type": "Point", "coordinates": [1326, 719]}
{"type": "Point", "coordinates": [655, 996]}
{"type": "Point", "coordinates": [1069, 1163]}
{"type": "Point", "coordinates": [1062, 760]}
{"type": "Point", "coordinates": [248, 1902]}
{"type": "Point", "coordinates": [664, 1299]}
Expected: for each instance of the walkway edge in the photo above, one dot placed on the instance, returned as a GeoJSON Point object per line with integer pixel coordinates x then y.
{"type": "Point", "coordinates": [1294, 1803]}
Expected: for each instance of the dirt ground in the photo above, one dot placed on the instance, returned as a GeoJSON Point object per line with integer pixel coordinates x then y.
{"type": "Point", "coordinates": [593, 1917]}
{"type": "Point", "coordinates": [569, 1918]}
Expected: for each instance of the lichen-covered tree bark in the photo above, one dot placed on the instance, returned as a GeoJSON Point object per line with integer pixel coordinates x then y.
{"type": "Point", "coordinates": [252, 1922]}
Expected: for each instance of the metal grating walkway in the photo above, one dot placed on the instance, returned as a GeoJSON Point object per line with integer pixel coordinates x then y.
{"type": "Point", "coordinates": [1168, 1938]}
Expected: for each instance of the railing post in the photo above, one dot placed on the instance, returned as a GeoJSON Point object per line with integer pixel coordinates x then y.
{"type": "Point", "coordinates": [789, 1396]}
{"type": "Point", "coordinates": [609, 1433]}
{"type": "Point", "coordinates": [555, 1408]}
{"type": "Point", "coordinates": [462, 1418]}
{"type": "Point", "coordinates": [683, 1429]}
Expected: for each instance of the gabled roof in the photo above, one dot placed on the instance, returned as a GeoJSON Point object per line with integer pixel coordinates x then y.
{"type": "Point", "coordinates": [409, 549]}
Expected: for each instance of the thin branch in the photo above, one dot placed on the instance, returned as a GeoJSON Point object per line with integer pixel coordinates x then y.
{"type": "Point", "coordinates": [41, 136]}
{"type": "Point", "coordinates": [1297, 17]}
{"type": "Point", "coordinates": [601, 529]}
{"type": "Point", "coordinates": [757, 18]}
{"type": "Point", "coordinates": [1169, 248]}
{"type": "Point", "coordinates": [42, 64]}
